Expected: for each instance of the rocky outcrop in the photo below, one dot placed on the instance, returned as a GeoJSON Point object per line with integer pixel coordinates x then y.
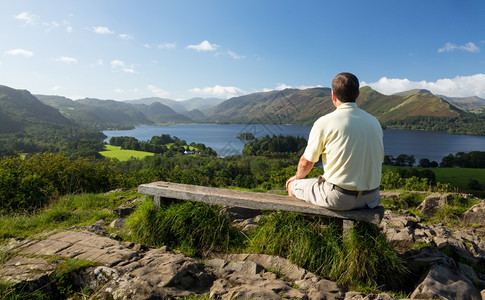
{"type": "Point", "coordinates": [475, 215]}
{"type": "Point", "coordinates": [446, 264]}
{"type": "Point", "coordinates": [433, 203]}
{"type": "Point", "coordinates": [126, 273]}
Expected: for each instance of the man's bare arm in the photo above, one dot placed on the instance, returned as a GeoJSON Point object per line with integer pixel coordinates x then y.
{"type": "Point", "coordinates": [304, 167]}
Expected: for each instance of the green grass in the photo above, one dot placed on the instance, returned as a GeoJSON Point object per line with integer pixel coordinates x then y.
{"type": "Point", "coordinates": [459, 177]}
{"type": "Point", "coordinates": [363, 259]}
{"type": "Point", "coordinates": [123, 155]}
{"type": "Point", "coordinates": [68, 211]}
{"type": "Point", "coordinates": [193, 228]}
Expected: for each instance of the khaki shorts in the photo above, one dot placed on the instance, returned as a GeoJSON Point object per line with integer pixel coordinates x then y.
{"type": "Point", "coordinates": [318, 192]}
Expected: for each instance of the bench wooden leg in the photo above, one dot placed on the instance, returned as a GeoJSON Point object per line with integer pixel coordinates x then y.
{"type": "Point", "coordinates": [347, 227]}
{"type": "Point", "coordinates": [156, 202]}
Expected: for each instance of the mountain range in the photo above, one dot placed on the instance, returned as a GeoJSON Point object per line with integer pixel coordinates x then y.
{"type": "Point", "coordinates": [19, 109]}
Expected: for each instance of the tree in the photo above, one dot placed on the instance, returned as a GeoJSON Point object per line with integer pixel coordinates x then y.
{"type": "Point", "coordinates": [424, 163]}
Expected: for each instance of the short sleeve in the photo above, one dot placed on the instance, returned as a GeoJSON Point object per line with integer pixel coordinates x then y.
{"type": "Point", "coordinates": [314, 147]}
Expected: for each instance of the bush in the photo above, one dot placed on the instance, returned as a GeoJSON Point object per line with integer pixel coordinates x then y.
{"type": "Point", "coordinates": [30, 183]}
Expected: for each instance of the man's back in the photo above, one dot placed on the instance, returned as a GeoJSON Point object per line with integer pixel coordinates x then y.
{"type": "Point", "coordinates": [352, 148]}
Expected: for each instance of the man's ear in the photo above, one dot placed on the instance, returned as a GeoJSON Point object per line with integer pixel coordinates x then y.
{"type": "Point", "coordinates": [334, 99]}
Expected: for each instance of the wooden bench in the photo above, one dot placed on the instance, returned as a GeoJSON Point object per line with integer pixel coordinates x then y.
{"type": "Point", "coordinates": [252, 200]}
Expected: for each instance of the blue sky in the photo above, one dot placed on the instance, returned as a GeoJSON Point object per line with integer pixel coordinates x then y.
{"type": "Point", "coordinates": [125, 50]}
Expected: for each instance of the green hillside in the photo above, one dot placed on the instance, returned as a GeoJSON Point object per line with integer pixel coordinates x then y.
{"type": "Point", "coordinates": [28, 125]}
{"type": "Point", "coordinates": [159, 113]}
{"type": "Point", "coordinates": [417, 109]}
{"type": "Point", "coordinates": [104, 114]}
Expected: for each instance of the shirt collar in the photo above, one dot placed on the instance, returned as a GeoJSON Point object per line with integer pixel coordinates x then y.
{"type": "Point", "coordinates": [347, 105]}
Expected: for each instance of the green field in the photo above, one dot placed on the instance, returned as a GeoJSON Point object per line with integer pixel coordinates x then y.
{"type": "Point", "coordinates": [123, 155]}
{"type": "Point", "coordinates": [458, 177]}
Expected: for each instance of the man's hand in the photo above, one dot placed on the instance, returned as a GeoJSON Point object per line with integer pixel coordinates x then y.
{"type": "Point", "coordinates": [304, 167]}
{"type": "Point", "coordinates": [290, 193]}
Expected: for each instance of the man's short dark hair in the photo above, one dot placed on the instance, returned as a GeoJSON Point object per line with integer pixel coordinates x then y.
{"type": "Point", "coordinates": [346, 87]}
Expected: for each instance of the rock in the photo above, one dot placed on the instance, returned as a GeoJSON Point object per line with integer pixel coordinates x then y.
{"type": "Point", "coordinates": [123, 212]}
{"type": "Point", "coordinates": [105, 273]}
{"type": "Point", "coordinates": [246, 267]}
{"type": "Point", "coordinates": [354, 296]}
{"type": "Point", "coordinates": [32, 270]}
{"type": "Point", "coordinates": [216, 263]}
{"type": "Point", "coordinates": [118, 223]}
{"type": "Point", "coordinates": [160, 274]}
{"type": "Point", "coordinates": [432, 204]}
{"type": "Point", "coordinates": [83, 245]}
{"type": "Point", "coordinates": [401, 239]}
{"type": "Point", "coordinates": [442, 283]}
{"type": "Point", "coordinates": [475, 215]}
{"type": "Point", "coordinates": [100, 223]}
{"type": "Point", "coordinates": [250, 294]}
{"type": "Point", "coordinates": [289, 270]}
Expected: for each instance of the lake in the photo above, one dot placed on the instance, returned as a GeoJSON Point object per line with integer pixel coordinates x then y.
{"type": "Point", "coordinates": [222, 138]}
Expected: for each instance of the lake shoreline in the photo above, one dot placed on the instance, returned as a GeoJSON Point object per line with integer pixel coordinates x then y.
{"type": "Point", "coordinates": [433, 145]}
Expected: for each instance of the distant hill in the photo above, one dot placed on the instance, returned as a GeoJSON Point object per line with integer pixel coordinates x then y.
{"type": "Point", "coordinates": [467, 103]}
{"type": "Point", "coordinates": [416, 109]}
{"type": "Point", "coordinates": [29, 125]}
{"type": "Point", "coordinates": [159, 113]}
{"type": "Point", "coordinates": [20, 109]}
{"type": "Point", "coordinates": [180, 106]}
{"type": "Point", "coordinates": [404, 105]}
{"type": "Point", "coordinates": [105, 114]}
{"type": "Point", "coordinates": [305, 106]}
{"type": "Point", "coordinates": [413, 92]}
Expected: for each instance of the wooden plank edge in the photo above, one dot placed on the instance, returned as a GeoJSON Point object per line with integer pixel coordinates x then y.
{"type": "Point", "coordinates": [374, 215]}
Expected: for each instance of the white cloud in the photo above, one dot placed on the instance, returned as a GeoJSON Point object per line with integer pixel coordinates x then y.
{"type": "Point", "coordinates": [283, 86]}
{"type": "Point", "coordinates": [125, 36]}
{"type": "Point", "coordinates": [234, 55]}
{"type": "Point", "coordinates": [158, 91]}
{"type": "Point", "coordinates": [167, 46]}
{"type": "Point", "coordinates": [27, 17]}
{"type": "Point", "coordinates": [22, 52]}
{"type": "Point", "coordinates": [460, 86]}
{"type": "Point", "coordinates": [204, 46]}
{"type": "Point", "coordinates": [56, 88]}
{"type": "Point", "coordinates": [68, 29]}
{"type": "Point", "coordinates": [121, 64]}
{"type": "Point", "coordinates": [102, 30]}
{"type": "Point", "coordinates": [118, 91]}
{"type": "Point", "coordinates": [117, 63]}
{"type": "Point", "coordinates": [67, 59]}
{"type": "Point", "coordinates": [468, 47]}
{"type": "Point", "coordinates": [147, 46]}
{"type": "Point", "coordinates": [219, 91]}
{"type": "Point", "coordinates": [50, 25]}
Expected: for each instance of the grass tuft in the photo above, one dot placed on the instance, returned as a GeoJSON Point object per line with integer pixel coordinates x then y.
{"type": "Point", "coordinates": [193, 228]}
{"type": "Point", "coordinates": [364, 258]}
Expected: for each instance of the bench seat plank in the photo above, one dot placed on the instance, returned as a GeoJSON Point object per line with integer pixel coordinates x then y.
{"type": "Point", "coordinates": [252, 200]}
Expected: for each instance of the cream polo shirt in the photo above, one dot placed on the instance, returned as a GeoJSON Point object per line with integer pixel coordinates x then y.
{"type": "Point", "coordinates": [350, 142]}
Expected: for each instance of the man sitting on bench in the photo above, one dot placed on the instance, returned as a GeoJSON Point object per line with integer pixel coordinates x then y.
{"type": "Point", "coordinates": [350, 143]}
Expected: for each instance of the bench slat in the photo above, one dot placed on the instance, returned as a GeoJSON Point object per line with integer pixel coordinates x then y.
{"type": "Point", "coordinates": [253, 200]}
